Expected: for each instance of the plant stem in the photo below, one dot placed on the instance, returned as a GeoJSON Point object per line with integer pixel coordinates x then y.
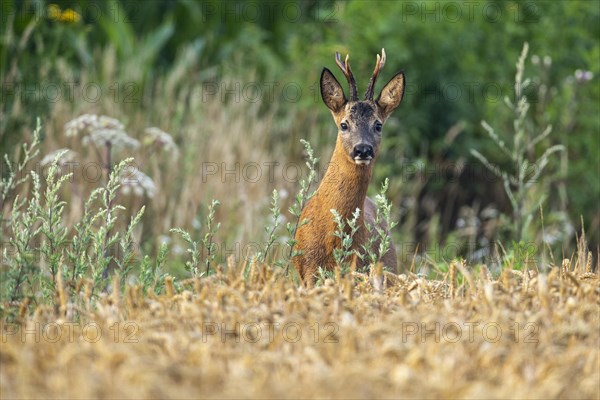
{"type": "Point", "coordinates": [108, 168]}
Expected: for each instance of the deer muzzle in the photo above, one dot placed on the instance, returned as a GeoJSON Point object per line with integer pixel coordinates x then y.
{"type": "Point", "coordinates": [362, 154]}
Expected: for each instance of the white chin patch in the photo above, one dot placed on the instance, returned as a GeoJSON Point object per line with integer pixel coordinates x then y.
{"type": "Point", "coordinates": [359, 161]}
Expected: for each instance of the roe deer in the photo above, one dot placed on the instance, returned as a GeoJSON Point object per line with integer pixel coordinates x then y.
{"type": "Point", "coordinates": [344, 185]}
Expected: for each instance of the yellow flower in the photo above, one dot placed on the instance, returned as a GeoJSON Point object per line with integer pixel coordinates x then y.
{"type": "Point", "coordinates": [68, 15]}
{"type": "Point", "coordinates": [53, 12]}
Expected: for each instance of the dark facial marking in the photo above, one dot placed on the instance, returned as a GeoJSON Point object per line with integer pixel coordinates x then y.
{"type": "Point", "coordinates": [362, 110]}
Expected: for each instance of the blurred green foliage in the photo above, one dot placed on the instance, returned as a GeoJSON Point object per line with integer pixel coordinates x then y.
{"type": "Point", "coordinates": [458, 57]}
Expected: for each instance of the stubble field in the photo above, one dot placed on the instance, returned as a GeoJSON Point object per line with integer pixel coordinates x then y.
{"type": "Point", "coordinates": [524, 335]}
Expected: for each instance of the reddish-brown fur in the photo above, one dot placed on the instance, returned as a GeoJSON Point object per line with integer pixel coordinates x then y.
{"type": "Point", "coordinates": [344, 186]}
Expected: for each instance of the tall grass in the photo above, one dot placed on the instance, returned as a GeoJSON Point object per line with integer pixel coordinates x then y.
{"type": "Point", "coordinates": [527, 173]}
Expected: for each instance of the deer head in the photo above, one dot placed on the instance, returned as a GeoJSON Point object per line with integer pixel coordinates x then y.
{"type": "Point", "coordinates": [360, 122]}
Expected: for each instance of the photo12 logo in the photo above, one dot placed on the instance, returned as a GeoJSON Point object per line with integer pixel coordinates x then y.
{"type": "Point", "coordinates": [269, 10]}
{"type": "Point", "coordinates": [469, 11]}
{"type": "Point", "coordinates": [70, 332]}
{"type": "Point", "coordinates": [53, 92]}
{"type": "Point", "coordinates": [452, 332]}
{"type": "Point", "coordinates": [269, 332]}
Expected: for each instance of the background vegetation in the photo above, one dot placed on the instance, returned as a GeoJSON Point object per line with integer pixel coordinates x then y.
{"type": "Point", "coordinates": [235, 86]}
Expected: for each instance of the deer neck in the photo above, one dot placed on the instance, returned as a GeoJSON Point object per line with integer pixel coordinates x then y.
{"type": "Point", "coordinates": [344, 185]}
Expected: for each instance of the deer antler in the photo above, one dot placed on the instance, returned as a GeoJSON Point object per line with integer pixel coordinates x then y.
{"type": "Point", "coordinates": [345, 67]}
{"type": "Point", "coordinates": [378, 67]}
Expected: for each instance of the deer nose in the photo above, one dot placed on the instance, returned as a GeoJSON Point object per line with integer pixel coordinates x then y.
{"type": "Point", "coordinates": [362, 152]}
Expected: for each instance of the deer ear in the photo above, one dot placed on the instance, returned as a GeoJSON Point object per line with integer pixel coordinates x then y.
{"type": "Point", "coordinates": [391, 95]}
{"type": "Point", "coordinates": [331, 91]}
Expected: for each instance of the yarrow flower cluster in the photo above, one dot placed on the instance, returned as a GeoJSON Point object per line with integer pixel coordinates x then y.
{"type": "Point", "coordinates": [117, 138]}
{"type": "Point", "coordinates": [101, 130]}
{"type": "Point", "coordinates": [135, 181]}
{"type": "Point", "coordinates": [109, 133]}
{"type": "Point", "coordinates": [88, 123]}
{"type": "Point", "coordinates": [160, 138]}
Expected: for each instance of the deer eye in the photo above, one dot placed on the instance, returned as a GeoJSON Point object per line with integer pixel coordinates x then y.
{"type": "Point", "coordinates": [344, 126]}
{"type": "Point", "coordinates": [378, 126]}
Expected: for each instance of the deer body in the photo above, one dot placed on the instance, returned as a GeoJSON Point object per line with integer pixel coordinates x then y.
{"type": "Point", "coordinates": [345, 183]}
